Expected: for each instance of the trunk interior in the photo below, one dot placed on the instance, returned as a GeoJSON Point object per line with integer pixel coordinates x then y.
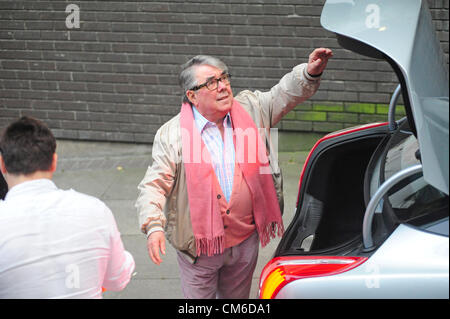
{"type": "Point", "coordinates": [332, 208]}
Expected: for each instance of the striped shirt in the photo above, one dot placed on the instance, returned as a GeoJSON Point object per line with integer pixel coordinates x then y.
{"type": "Point", "coordinates": [221, 150]}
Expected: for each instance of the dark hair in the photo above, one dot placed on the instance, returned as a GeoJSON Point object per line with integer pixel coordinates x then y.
{"type": "Point", "coordinates": [3, 187]}
{"type": "Point", "coordinates": [27, 146]}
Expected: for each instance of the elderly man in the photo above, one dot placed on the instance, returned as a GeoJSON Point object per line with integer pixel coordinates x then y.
{"type": "Point", "coordinates": [208, 186]}
{"type": "Point", "coordinates": [53, 243]}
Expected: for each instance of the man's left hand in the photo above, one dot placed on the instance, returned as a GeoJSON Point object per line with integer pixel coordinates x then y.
{"type": "Point", "coordinates": [318, 60]}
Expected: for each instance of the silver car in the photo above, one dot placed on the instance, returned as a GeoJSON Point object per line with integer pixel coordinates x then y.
{"type": "Point", "coordinates": [372, 218]}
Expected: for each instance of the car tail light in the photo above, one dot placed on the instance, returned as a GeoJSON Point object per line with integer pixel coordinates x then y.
{"type": "Point", "coordinates": [283, 270]}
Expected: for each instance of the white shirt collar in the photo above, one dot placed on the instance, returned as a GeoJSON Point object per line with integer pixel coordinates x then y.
{"type": "Point", "coordinates": [33, 185]}
{"type": "Point", "coordinates": [201, 121]}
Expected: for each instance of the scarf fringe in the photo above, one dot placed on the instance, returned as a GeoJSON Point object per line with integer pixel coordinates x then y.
{"type": "Point", "coordinates": [210, 246]}
{"type": "Point", "coordinates": [270, 231]}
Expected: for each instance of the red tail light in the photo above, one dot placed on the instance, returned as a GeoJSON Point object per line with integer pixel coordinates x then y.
{"type": "Point", "coordinates": [283, 270]}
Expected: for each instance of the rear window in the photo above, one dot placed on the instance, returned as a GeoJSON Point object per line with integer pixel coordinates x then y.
{"type": "Point", "coordinates": [412, 200]}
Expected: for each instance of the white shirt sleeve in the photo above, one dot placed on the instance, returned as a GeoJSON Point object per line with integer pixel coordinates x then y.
{"type": "Point", "coordinates": [121, 263]}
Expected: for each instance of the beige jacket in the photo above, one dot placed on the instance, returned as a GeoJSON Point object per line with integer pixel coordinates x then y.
{"type": "Point", "coordinates": [163, 202]}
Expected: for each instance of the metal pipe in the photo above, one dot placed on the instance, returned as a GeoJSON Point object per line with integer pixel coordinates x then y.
{"type": "Point", "coordinates": [382, 190]}
{"type": "Point", "coordinates": [392, 105]}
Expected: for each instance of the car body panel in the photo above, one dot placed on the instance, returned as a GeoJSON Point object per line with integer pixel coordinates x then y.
{"type": "Point", "coordinates": [419, 59]}
{"type": "Point", "coordinates": [403, 267]}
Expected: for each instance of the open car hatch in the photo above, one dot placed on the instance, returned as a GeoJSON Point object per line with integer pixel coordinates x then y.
{"type": "Point", "coordinates": [368, 27]}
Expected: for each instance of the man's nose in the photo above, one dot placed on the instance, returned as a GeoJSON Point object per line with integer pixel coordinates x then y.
{"type": "Point", "coordinates": [221, 86]}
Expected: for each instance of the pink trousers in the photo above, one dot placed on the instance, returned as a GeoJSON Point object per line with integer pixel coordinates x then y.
{"type": "Point", "coordinates": [225, 276]}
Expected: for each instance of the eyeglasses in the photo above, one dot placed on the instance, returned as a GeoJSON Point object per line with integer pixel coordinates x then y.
{"type": "Point", "coordinates": [213, 83]}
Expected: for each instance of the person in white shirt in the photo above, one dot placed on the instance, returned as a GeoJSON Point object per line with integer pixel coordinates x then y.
{"type": "Point", "coordinates": [53, 243]}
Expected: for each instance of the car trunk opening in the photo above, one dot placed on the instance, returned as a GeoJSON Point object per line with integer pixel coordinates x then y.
{"type": "Point", "coordinates": [418, 63]}
{"type": "Point", "coordinates": [331, 206]}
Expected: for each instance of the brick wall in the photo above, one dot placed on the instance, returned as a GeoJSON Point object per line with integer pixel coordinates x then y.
{"type": "Point", "coordinates": [115, 78]}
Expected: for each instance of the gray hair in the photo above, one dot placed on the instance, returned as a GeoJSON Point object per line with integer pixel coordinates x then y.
{"type": "Point", "coordinates": [187, 77]}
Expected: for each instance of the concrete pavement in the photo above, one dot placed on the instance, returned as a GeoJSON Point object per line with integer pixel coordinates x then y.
{"type": "Point", "coordinates": [111, 172]}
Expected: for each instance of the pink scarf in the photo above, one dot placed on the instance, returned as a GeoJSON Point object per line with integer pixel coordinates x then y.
{"type": "Point", "coordinates": [206, 219]}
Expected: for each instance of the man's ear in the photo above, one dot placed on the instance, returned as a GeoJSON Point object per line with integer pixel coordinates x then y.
{"type": "Point", "coordinates": [2, 165]}
{"type": "Point", "coordinates": [54, 163]}
{"type": "Point", "coordinates": [192, 97]}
